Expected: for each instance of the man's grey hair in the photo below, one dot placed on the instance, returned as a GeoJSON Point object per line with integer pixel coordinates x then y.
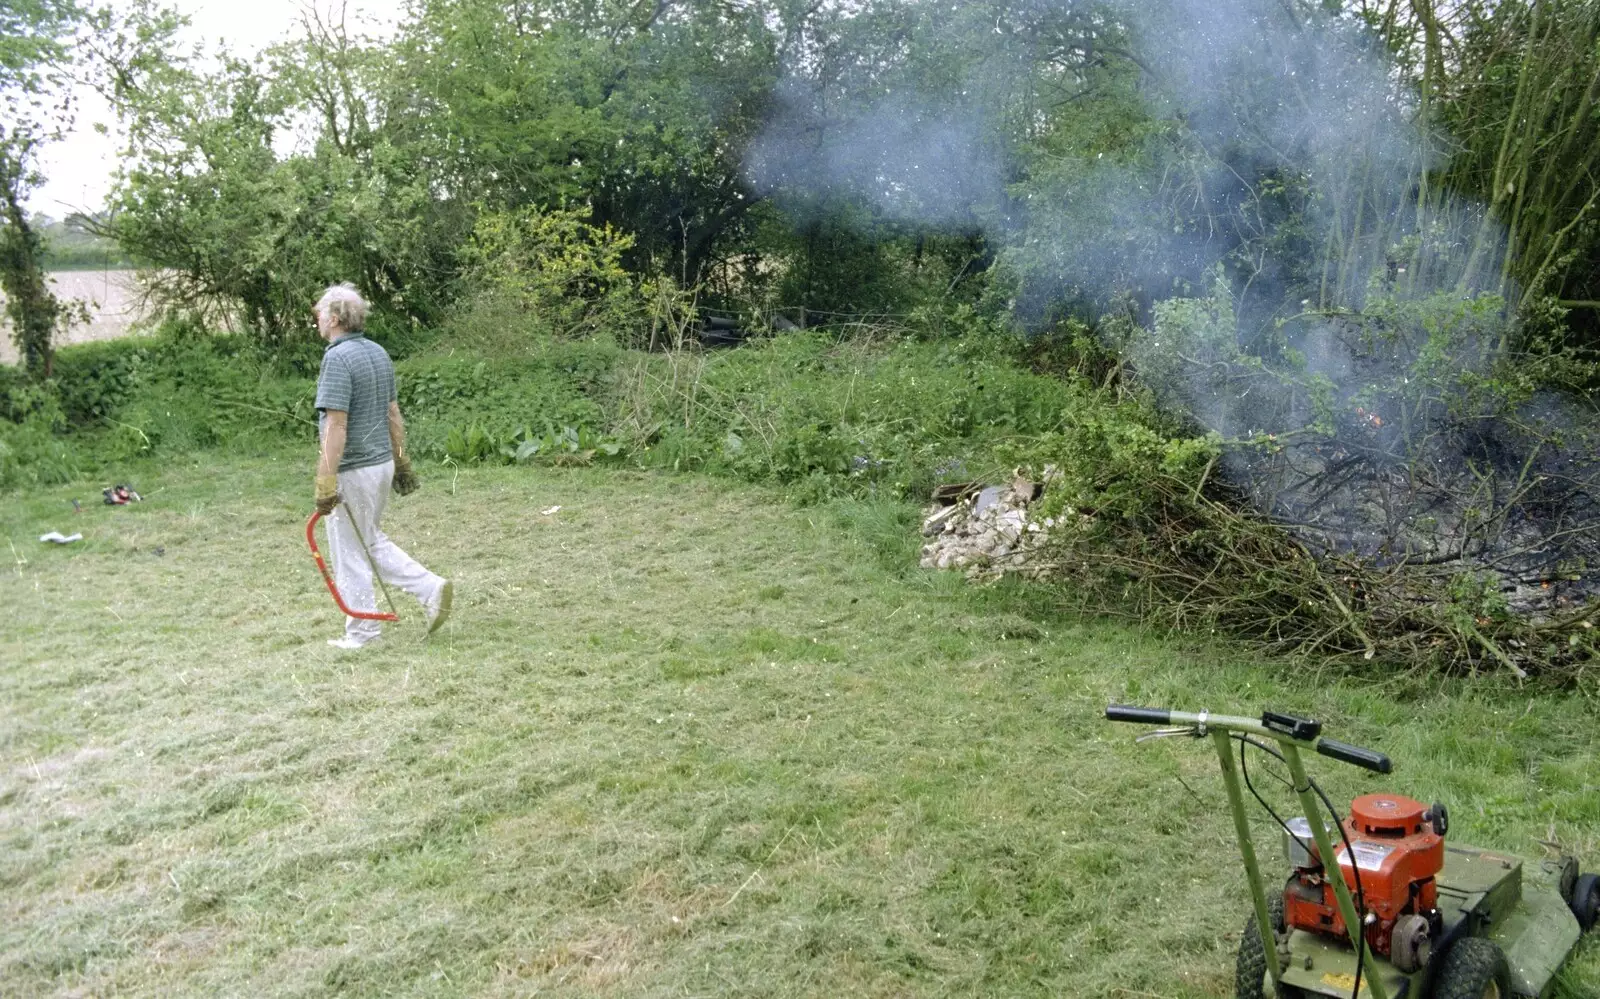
{"type": "Point", "coordinates": [345, 306]}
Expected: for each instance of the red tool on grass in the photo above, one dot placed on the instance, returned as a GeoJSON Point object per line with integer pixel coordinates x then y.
{"type": "Point", "coordinates": [311, 539]}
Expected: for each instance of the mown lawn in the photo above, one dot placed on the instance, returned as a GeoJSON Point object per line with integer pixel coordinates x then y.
{"type": "Point", "coordinates": [681, 739]}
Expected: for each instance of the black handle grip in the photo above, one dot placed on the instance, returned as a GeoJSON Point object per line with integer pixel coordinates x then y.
{"type": "Point", "coordinates": [1142, 716]}
{"type": "Point", "coordinates": [1365, 758]}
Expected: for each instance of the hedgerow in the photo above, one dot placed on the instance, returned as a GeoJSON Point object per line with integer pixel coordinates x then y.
{"type": "Point", "coordinates": [1149, 525]}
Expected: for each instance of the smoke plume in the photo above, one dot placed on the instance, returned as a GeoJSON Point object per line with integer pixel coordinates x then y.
{"type": "Point", "coordinates": [1273, 225]}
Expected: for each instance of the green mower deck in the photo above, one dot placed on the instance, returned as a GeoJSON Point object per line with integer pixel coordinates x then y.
{"type": "Point", "coordinates": [1517, 904]}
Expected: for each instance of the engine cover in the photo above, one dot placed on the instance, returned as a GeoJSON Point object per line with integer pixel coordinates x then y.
{"type": "Point", "coordinates": [1396, 854]}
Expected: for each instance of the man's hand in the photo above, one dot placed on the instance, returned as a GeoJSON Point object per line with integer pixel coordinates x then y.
{"type": "Point", "coordinates": [327, 497]}
{"type": "Point", "coordinates": [405, 479]}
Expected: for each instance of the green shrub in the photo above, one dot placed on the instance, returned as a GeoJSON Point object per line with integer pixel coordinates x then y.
{"type": "Point", "coordinates": [145, 395]}
{"type": "Point", "coordinates": [472, 409]}
{"type": "Point", "coordinates": [807, 411]}
{"type": "Point", "coordinates": [14, 383]}
{"type": "Point", "coordinates": [562, 274]}
{"type": "Point", "coordinates": [33, 454]}
{"type": "Point", "coordinates": [178, 394]}
{"type": "Point", "coordinates": [490, 324]}
{"type": "Point", "coordinates": [402, 336]}
{"type": "Point", "coordinates": [23, 400]}
{"type": "Point", "coordinates": [182, 390]}
{"type": "Point", "coordinates": [94, 380]}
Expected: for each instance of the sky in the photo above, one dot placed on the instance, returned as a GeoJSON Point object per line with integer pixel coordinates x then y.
{"type": "Point", "coordinates": [78, 169]}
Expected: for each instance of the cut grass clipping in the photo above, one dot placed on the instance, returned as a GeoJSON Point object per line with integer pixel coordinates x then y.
{"type": "Point", "coordinates": [679, 738]}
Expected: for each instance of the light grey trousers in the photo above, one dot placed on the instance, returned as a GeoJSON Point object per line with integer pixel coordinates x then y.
{"type": "Point", "coordinates": [366, 493]}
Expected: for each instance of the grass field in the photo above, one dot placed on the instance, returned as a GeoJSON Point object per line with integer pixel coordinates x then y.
{"type": "Point", "coordinates": [680, 739]}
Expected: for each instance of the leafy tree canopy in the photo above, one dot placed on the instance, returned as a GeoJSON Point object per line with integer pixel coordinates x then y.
{"type": "Point", "coordinates": [1040, 156]}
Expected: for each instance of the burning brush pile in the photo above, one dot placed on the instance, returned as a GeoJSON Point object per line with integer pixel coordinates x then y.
{"type": "Point", "coordinates": [1375, 486]}
{"type": "Point", "coordinates": [1503, 503]}
{"type": "Point", "coordinates": [1432, 498]}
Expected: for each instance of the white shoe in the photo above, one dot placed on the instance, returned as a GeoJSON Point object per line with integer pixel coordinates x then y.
{"type": "Point", "coordinates": [439, 610]}
{"type": "Point", "coordinates": [348, 643]}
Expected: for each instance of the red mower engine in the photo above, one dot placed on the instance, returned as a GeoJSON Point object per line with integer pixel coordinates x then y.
{"type": "Point", "coordinates": [1398, 847]}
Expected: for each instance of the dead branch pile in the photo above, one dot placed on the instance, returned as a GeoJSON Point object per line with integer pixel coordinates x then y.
{"type": "Point", "coordinates": [1400, 496]}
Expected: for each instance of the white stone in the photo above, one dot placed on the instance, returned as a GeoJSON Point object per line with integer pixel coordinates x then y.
{"type": "Point", "coordinates": [938, 520]}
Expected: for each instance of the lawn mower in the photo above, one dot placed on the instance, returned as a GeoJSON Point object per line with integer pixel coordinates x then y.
{"type": "Point", "coordinates": [1408, 915]}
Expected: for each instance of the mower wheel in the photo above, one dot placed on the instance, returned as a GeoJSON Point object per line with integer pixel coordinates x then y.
{"type": "Point", "coordinates": [1585, 900]}
{"type": "Point", "coordinates": [1250, 972]}
{"type": "Point", "coordinates": [1409, 946]}
{"type": "Point", "coordinates": [1475, 968]}
{"type": "Point", "coordinates": [1567, 876]}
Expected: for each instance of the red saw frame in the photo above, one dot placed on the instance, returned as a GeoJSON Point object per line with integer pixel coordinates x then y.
{"type": "Point", "coordinates": [316, 553]}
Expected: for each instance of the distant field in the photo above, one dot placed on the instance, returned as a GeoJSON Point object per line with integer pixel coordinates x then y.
{"type": "Point", "coordinates": [113, 299]}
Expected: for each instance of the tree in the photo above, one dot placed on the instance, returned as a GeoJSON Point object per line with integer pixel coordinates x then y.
{"type": "Point", "coordinates": [233, 226]}
{"type": "Point", "coordinates": [1524, 119]}
{"type": "Point", "coordinates": [872, 155]}
{"type": "Point", "coordinates": [639, 111]}
{"type": "Point", "coordinates": [32, 53]}
{"type": "Point", "coordinates": [30, 305]}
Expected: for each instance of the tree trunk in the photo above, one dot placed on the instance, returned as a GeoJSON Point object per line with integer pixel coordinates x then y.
{"type": "Point", "coordinates": [30, 306]}
{"type": "Point", "coordinates": [1432, 59]}
{"type": "Point", "coordinates": [1499, 193]}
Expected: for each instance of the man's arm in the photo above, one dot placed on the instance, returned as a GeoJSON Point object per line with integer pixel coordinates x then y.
{"type": "Point", "coordinates": [397, 432]}
{"type": "Point", "coordinates": [405, 480]}
{"type": "Point", "coordinates": [333, 437]}
{"type": "Point", "coordinates": [334, 431]}
{"type": "Point", "coordinates": [334, 391]}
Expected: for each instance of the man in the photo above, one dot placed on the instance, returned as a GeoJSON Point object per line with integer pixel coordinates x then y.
{"type": "Point", "coordinates": [363, 454]}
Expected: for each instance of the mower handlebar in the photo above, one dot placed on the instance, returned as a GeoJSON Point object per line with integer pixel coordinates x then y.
{"type": "Point", "coordinates": [1139, 716]}
{"type": "Point", "coordinates": [1302, 732]}
{"type": "Point", "coordinates": [1367, 759]}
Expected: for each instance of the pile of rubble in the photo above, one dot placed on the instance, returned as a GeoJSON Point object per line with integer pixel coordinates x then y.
{"type": "Point", "coordinates": [985, 530]}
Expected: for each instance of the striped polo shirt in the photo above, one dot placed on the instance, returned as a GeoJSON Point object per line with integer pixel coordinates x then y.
{"type": "Point", "coordinates": [358, 378]}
